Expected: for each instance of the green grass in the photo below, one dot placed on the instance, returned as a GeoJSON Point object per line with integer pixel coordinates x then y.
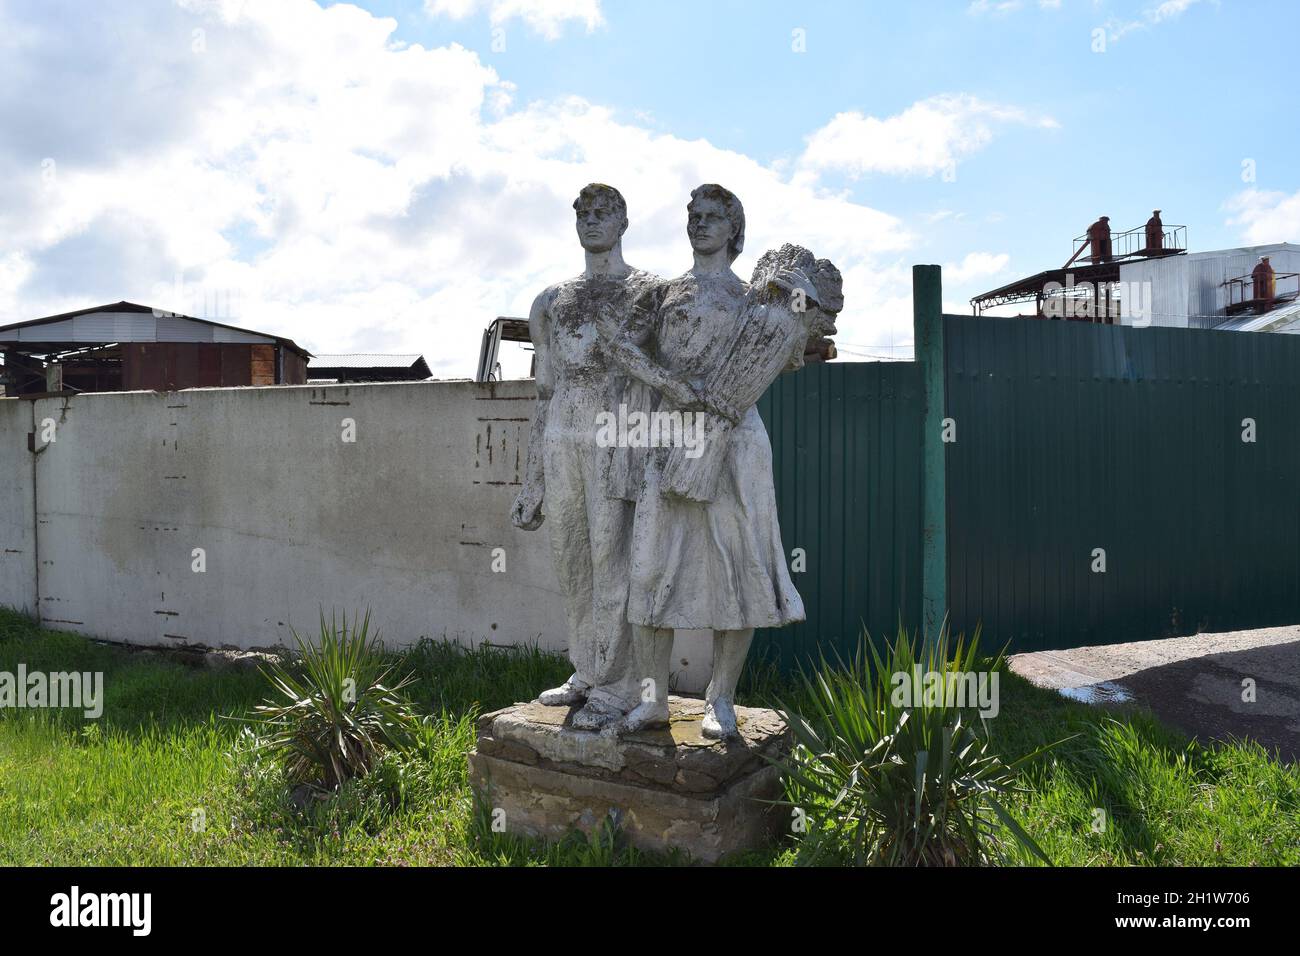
{"type": "Point", "coordinates": [124, 790]}
{"type": "Point", "coordinates": [1166, 801]}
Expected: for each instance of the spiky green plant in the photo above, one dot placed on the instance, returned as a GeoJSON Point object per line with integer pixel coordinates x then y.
{"type": "Point", "coordinates": [334, 709]}
{"type": "Point", "coordinates": [887, 780]}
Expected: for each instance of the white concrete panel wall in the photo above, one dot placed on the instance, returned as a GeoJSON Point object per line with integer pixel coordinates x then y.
{"type": "Point", "coordinates": [17, 522]}
{"type": "Point", "coordinates": [292, 519]}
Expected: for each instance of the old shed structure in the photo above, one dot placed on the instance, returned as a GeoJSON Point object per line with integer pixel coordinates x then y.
{"type": "Point", "coordinates": [128, 347]}
{"type": "Point", "coordinates": [368, 367]}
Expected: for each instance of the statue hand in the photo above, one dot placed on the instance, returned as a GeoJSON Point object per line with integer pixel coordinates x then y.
{"type": "Point", "coordinates": [526, 515]}
{"type": "Point", "coordinates": [606, 321]}
{"type": "Point", "coordinates": [721, 408]}
{"type": "Point", "coordinates": [796, 281]}
{"type": "Point", "coordinates": [683, 395]}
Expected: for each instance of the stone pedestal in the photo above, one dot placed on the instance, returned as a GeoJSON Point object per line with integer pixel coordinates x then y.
{"type": "Point", "coordinates": [669, 788]}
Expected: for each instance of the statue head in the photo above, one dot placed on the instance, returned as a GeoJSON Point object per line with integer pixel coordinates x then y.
{"type": "Point", "coordinates": [715, 219]}
{"type": "Point", "coordinates": [601, 217]}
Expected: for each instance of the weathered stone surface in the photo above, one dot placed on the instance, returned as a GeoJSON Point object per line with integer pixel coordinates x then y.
{"type": "Point", "coordinates": [575, 386]}
{"type": "Point", "coordinates": [677, 757]}
{"type": "Point", "coordinates": [671, 788]}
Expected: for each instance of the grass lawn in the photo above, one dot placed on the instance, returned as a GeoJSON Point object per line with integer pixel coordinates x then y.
{"type": "Point", "coordinates": [163, 778]}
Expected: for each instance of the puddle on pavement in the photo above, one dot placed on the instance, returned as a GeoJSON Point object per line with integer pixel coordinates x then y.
{"type": "Point", "coordinates": [1105, 692]}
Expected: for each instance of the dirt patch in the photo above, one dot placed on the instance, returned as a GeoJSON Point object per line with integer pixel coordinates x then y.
{"type": "Point", "coordinates": [1235, 684]}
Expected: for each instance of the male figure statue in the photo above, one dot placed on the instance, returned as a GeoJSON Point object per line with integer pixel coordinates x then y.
{"type": "Point", "coordinates": [590, 531]}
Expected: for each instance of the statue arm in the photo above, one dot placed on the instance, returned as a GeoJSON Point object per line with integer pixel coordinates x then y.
{"type": "Point", "coordinates": [626, 346]}
{"type": "Point", "coordinates": [526, 513]}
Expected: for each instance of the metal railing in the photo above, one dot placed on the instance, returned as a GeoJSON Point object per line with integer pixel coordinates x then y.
{"type": "Point", "coordinates": [1132, 243]}
{"type": "Point", "coordinates": [1240, 291]}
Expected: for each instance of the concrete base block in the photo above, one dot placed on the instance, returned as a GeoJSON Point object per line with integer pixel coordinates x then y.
{"type": "Point", "coordinates": [669, 788]}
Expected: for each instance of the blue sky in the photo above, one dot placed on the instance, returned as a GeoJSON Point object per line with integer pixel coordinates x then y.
{"type": "Point", "coordinates": [390, 176]}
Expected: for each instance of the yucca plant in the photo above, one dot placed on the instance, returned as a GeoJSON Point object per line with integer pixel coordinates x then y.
{"type": "Point", "coordinates": [334, 709]}
{"type": "Point", "coordinates": [892, 781]}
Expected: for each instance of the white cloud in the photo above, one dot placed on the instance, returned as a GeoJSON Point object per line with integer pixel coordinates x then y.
{"type": "Point", "coordinates": [344, 190]}
{"type": "Point", "coordinates": [978, 7]}
{"type": "Point", "coordinates": [1001, 7]}
{"type": "Point", "coordinates": [547, 17]}
{"type": "Point", "coordinates": [928, 137]}
{"type": "Point", "coordinates": [976, 265]}
{"type": "Point", "coordinates": [1152, 16]}
{"type": "Point", "coordinates": [1265, 216]}
{"type": "Point", "coordinates": [1169, 9]}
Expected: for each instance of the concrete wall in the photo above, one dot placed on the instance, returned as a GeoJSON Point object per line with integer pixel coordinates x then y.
{"type": "Point", "coordinates": [291, 518]}
{"type": "Point", "coordinates": [17, 523]}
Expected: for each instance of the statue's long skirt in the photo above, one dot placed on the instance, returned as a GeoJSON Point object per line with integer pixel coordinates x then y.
{"type": "Point", "coordinates": [717, 564]}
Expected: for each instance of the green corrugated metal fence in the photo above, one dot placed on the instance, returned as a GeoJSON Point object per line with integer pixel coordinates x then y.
{"type": "Point", "coordinates": [847, 463]}
{"type": "Point", "coordinates": [1073, 437]}
{"type": "Point", "coordinates": [1073, 441]}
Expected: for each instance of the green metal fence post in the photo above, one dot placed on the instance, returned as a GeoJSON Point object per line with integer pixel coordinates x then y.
{"type": "Point", "coordinates": [927, 338]}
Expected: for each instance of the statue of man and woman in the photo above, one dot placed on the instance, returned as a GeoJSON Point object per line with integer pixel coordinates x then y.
{"type": "Point", "coordinates": [644, 542]}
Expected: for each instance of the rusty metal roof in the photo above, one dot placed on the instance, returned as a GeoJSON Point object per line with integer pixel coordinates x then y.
{"type": "Point", "coordinates": [12, 333]}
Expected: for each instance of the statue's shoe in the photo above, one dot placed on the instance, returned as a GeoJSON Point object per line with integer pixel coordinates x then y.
{"type": "Point", "coordinates": [595, 716]}
{"type": "Point", "coordinates": [719, 719]}
{"type": "Point", "coordinates": [641, 717]}
{"type": "Point", "coordinates": [566, 695]}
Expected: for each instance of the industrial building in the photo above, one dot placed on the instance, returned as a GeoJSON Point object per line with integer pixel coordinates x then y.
{"type": "Point", "coordinates": [126, 347]}
{"type": "Point", "coordinates": [1135, 279]}
{"type": "Point", "coordinates": [1215, 290]}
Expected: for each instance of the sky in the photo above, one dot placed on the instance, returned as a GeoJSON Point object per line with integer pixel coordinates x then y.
{"type": "Point", "coordinates": [389, 176]}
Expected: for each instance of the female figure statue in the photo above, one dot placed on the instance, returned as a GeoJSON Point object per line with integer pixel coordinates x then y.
{"type": "Point", "coordinates": [715, 564]}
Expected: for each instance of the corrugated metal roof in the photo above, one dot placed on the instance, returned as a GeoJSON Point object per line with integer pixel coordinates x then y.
{"type": "Point", "coordinates": [1285, 318]}
{"type": "Point", "coordinates": [1256, 251]}
{"type": "Point", "coordinates": [131, 322]}
{"type": "Point", "coordinates": [365, 360]}
{"type": "Point", "coordinates": [100, 327]}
